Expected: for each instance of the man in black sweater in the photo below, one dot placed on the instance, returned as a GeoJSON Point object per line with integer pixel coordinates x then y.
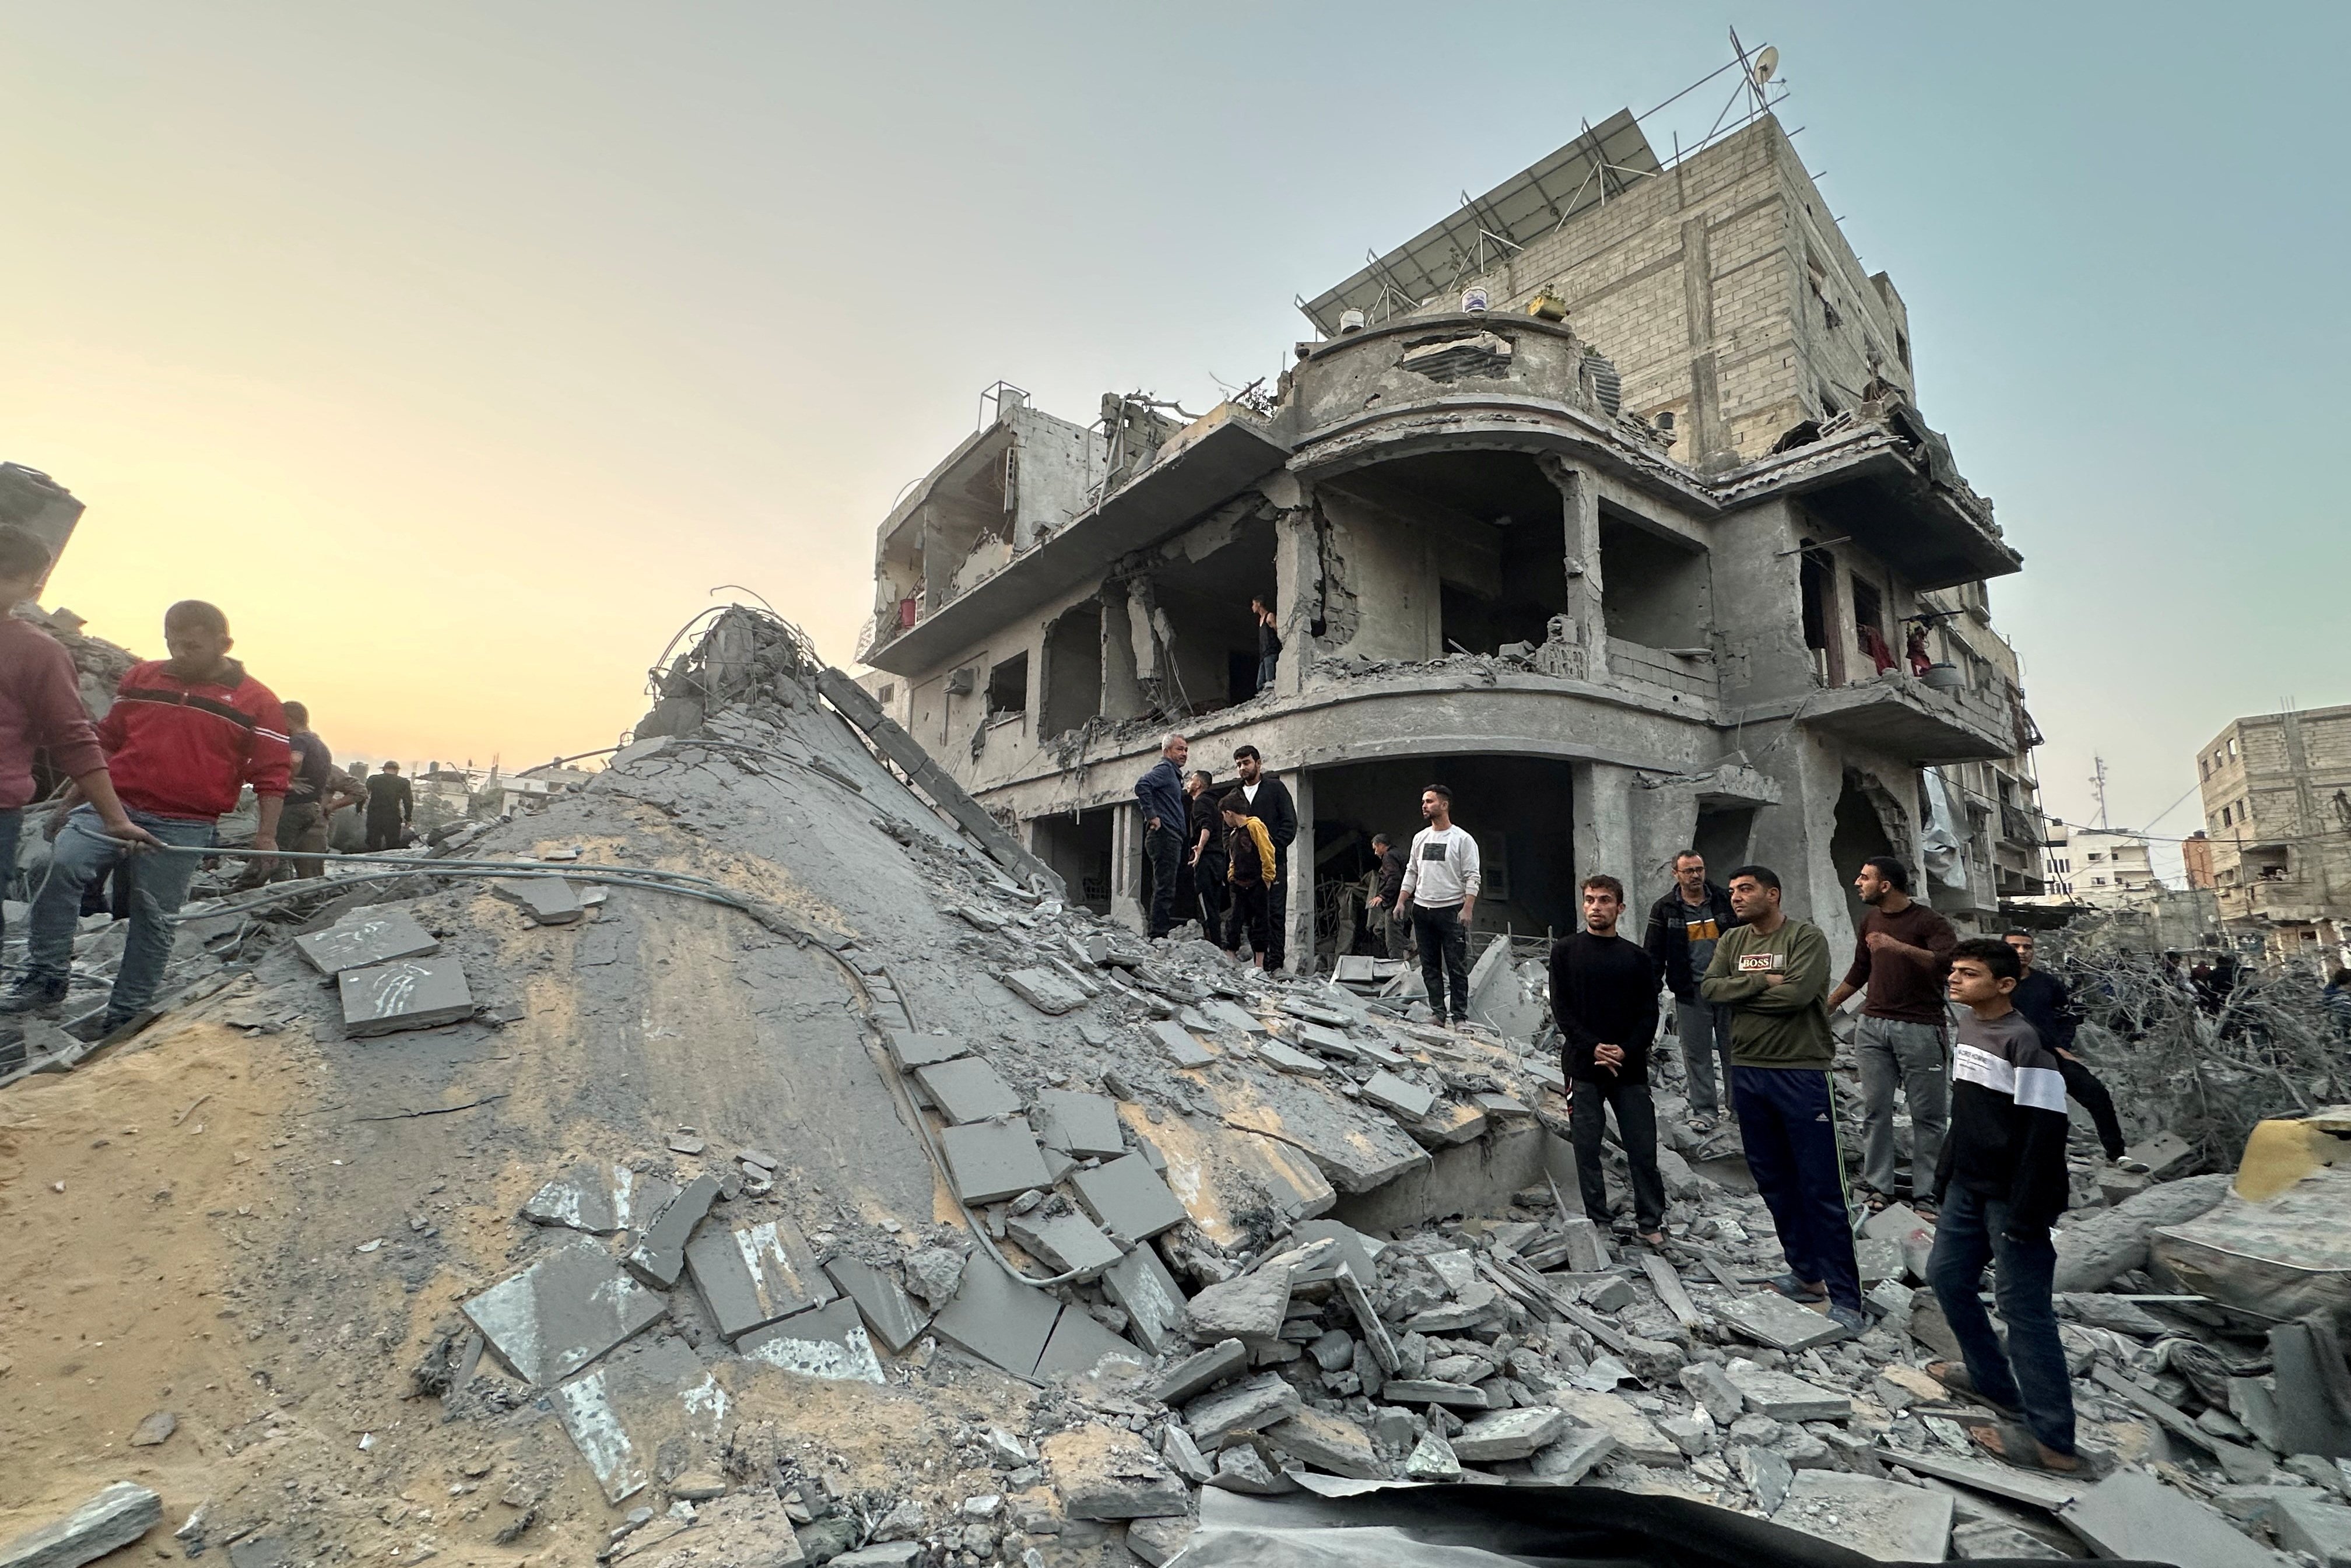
{"type": "Point", "coordinates": [1268, 799]}
{"type": "Point", "coordinates": [1603, 996]}
{"type": "Point", "coordinates": [2049, 1006]}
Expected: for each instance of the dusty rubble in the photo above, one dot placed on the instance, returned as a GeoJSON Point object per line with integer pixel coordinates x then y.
{"type": "Point", "coordinates": [775, 1172]}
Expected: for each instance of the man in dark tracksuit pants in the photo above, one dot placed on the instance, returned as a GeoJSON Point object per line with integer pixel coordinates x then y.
{"type": "Point", "coordinates": [1774, 973]}
{"type": "Point", "coordinates": [1603, 996]}
{"type": "Point", "coordinates": [1159, 794]}
{"type": "Point", "coordinates": [2049, 1006]}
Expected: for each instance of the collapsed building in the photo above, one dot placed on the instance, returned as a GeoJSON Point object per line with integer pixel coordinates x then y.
{"type": "Point", "coordinates": [1607, 501]}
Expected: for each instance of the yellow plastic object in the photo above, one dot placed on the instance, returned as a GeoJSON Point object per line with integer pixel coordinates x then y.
{"type": "Point", "coordinates": [2280, 1154]}
{"type": "Point", "coordinates": [1548, 306]}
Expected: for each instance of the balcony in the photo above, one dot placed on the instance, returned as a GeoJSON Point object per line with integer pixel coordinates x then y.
{"type": "Point", "coordinates": [1897, 714]}
{"type": "Point", "coordinates": [1679, 677]}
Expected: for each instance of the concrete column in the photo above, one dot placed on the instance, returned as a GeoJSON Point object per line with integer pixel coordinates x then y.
{"type": "Point", "coordinates": [1603, 823]}
{"type": "Point", "coordinates": [1126, 865]}
{"type": "Point", "coordinates": [1297, 582]}
{"type": "Point", "coordinates": [1299, 911]}
{"type": "Point", "coordinates": [1579, 499]}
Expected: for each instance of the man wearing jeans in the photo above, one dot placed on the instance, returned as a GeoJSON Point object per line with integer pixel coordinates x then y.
{"type": "Point", "coordinates": [185, 736]}
{"type": "Point", "coordinates": [1166, 819]}
{"type": "Point", "coordinates": [1684, 927]}
{"type": "Point", "coordinates": [1899, 959]}
{"type": "Point", "coordinates": [1603, 996]}
{"type": "Point", "coordinates": [2001, 1180]}
{"type": "Point", "coordinates": [1440, 892]}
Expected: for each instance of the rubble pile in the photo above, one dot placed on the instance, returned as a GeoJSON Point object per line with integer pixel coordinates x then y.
{"type": "Point", "coordinates": [795, 1175]}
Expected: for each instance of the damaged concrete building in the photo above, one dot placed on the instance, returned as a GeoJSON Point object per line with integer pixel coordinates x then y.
{"type": "Point", "coordinates": [1607, 501]}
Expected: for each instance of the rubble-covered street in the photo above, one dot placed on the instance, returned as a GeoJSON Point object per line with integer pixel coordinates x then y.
{"type": "Point", "coordinates": [737, 1163]}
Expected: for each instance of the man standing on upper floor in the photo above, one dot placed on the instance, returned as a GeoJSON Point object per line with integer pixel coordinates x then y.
{"type": "Point", "coordinates": [1269, 801]}
{"type": "Point", "coordinates": [390, 805]}
{"type": "Point", "coordinates": [2049, 1007]}
{"type": "Point", "coordinates": [1604, 997]}
{"type": "Point", "coordinates": [184, 737]}
{"type": "Point", "coordinates": [1269, 643]}
{"type": "Point", "coordinates": [1166, 819]}
{"type": "Point", "coordinates": [1901, 957]}
{"type": "Point", "coordinates": [1684, 927]}
{"type": "Point", "coordinates": [1396, 932]}
{"type": "Point", "coordinates": [1441, 878]}
{"type": "Point", "coordinates": [1773, 972]}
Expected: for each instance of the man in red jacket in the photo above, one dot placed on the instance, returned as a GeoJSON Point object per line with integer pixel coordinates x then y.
{"type": "Point", "coordinates": [40, 707]}
{"type": "Point", "coordinates": [185, 733]}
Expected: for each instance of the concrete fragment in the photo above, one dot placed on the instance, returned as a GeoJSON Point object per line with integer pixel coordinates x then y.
{"type": "Point", "coordinates": [1248, 1309]}
{"type": "Point", "coordinates": [1111, 1477]}
{"type": "Point", "coordinates": [993, 1160]}
{"type": "Point", "coordinates": [1082, 1126]}
{"type": "Point", "coordinates": [1784, 1397]}
{"type": "Point", "coordinates": [657, 1389]}
{"type": "Point", "coordinates": [2308, 1524]}
{"type": "Point", "coordinates": [378, 938]}
{"type": "Point", "coordinates": [659, 1256]}
{"type": "Point", "coordinates": [998, 1319]}
{"type": "Point", "coordinates": [2105, 1244]}
{"type": "Point", "coordinates": [562, 1313]}
{"type": "Point", "coordinates": [2130, 1514]}
{"type": "Point", "coordinates": [1572, 1456]}
{"type": "Point", "coordinates": [935, 1273]}
{"type": "Point", "coordinates": [827, 1341]}
{"type": "Point", "coordinates": [549, 900]}
{"type": "Point", "coordinates": [911, 1051]}
{"type": "Point", "coordinates": [1404, 1098]}
{"type": "Point", "coordinates": [598, 1198]}
{"type": "Point", "coordinates": [1587, 1248]}
{"type": "Point", "coordinates": [1248, 1407]}
{"type": "Point", "coordinates": [1244, 1469]}
{"type": "Point", "coordinates": [755, 1275]}
{"type": "Point", "coordinates": [1157, 1541]}
{"type": "Point", "coordinates": [1079, 1346]}
{"type": "Point", "coordinates": [1197, 1372]}
{"type": "Point", "coordinates": [1772, 1319]}
{"type": "Point", "coordinates": [1143, 1288]}
{"type": "Point", "coordinates": [1432, 1459]}
{"type": "Point", "coordinates": [408, 993]}
{"type": "Point", "coordinates": [1634, 1433]}
{"type": "Point", "coordinates": [1046, 990]}
{"type": "Point", "coordinates": [1289, 1059]}
{"type": "Point", "coordinates": [1180, 1044]}
{"type": "Point", "coordinates": [1356, 1250]}
{"type": "Point", "coordinates": [1978, 1539]}
{"type": "Point", "coordinates": [1182, 1455]}
{"type": "Point", "coordinates": [890, 1313]}
{"type": "Point", "coordinates": [1328, 1442]}
{"type": "Point", "coordinates": [1128, 1199]}
{"type": "Point", "coordinates": [745, 1530]}
{"type": "Point", "coordinates": [1334, 1351]}
{"type": "Point", "coordinates": [1508, 1434]}
{"type": "Point", "coordinates": [1068, 1243]}
{"type": "Point", "coordinates": [116, 1517]}
{"type": "Point", "coordinates": [969, 1089]}
{"type": "Point", "coordinates": [1884, 1520]}
{"type": "Point", "coordinates": [2041, 1489]}
{"type": "Point", "coordinates": [882, 1554]}
{"type": "Point", "coordinates": [1715, 1392]}
{"type": "Point", "coordinates": [1433, 1390]}
{"type": "Point", "coordinates": [154, 1430]}
{"type": "Point", "coordinates": [1912, 1237]}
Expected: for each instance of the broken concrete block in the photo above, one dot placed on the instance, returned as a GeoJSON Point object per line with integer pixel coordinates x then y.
{"type": "Point", "coordinates": [1571, 1457]}
{"type": "Point", "coordinates": [1693, 1434]}
{"type": "Point", "coordinates": [1157, 1541]}
{"type": "Point", "coordinates": [911, 1051]}
{"type": "Point", "coordinates": [1287, 1059]}
{"type": "Point", "coordinates": [827, 1341]}
{"type": "Point", "coordinates": [1196, 1372]}
{"type": "Point", "coordinates": [1046, 990]}
{"type": "Point", "coordinates": [1784, 1397]}
{"type": "Point", "coordinates": [2132, 1515]}
{"type": "Point", "coordinates": [562, 1313]}
{"type": "Point", "coordinates": [1912, 1237]}
{"type": "Point", "coordinates": [1771, 1317]}
{"type": "Point", "coordinates": [993, 1160]}
{"type": "Point", "coordinates": [1405, 1098]}
{"type": "Point", "coordinates": [1182, 1455]}
{"type": "Point", "coordinates": [1154, 1303]}
{"type": "Point", "coordinates": [1180, 1044]}
{"type": "Point", "coordinates": [1587, 1248]}
{"type": "Point", "coordinates": [969, 1089]}
{"type": "Point", "coordinates": [654, 1390]}
{"type": "Point", "coordinates": [1634, 1433]}
{"type": "Point", "coordinates": [1244, 1469]}
{"type": "Point", "coordinates": [1111, 1476]}
{"type": "Point", "coordinates": [1249, 1308]}
{"type": "Point", "coordinates": [549, 900]}
{"type": "Point", "coordinates": [407, 993]}
{"type": "Point", "coordinates": [378, 938]}
{"type": "Point", "coordinates": [2307, 1523]}
{"type": "Point", "coordinates": [1066, 1243]}
{"type": "Point", "coordinates": [1079, 1346]}
{"type": "Point", "coordinates": [1250, 1406]}
{"type": "Point", "coordinates": [890, 1313]}
{"type": "Point", "coordinates": [1508, 1434]}
{"type": "Point", "coordinates": [1765, 1471]}
{"type": "Point", "coordinates": [1433, 1390]}
{"type": "Point", "coordinates": [2105, 1244]}
{"type": "Point", "coordinates": [1884, 1520]}
{"type": "Point", "coordinates": [1714, 1391]}
{"type": "Point", "coordinates": [1127, 1198]}
{"type": "Point", "coordinates": [1329, 1443]}
{"type": "Point", "coordinates": [116, 1517]}
{"type": "Point", "coordinates": [1357, 1251]}
{"type": "Point", "coordinates": [1082, 1126]}
{"type": "Point", "coordinates": [659, 1256]}
{"type": "Point", "coordinates": [2041, 1489]}
{"type": "Point", "coordinates": [599, 1199]}
{"type": "Point", "coordinates": [1975, 1539]}
{"type": "Point", "coordinates": [998, 1319]}
{"type": "Point", "coordinates": [157, 1429]}
{"type": "Point", "coordinates": [1432, 1459]}
{"type": "Point", "coordinates": [755, 1275]}
{"type": "Point", "coordinates": [2163, 1155]}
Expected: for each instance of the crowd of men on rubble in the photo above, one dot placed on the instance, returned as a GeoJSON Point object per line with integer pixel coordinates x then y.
{"type": "Point", "coordinates": [136, 797]}
{"type": "Point", "coordinates": [1751, 996]}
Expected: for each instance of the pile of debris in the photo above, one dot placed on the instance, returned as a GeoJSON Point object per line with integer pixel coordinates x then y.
{"type": "Point", "coordinates": [790, 1109]}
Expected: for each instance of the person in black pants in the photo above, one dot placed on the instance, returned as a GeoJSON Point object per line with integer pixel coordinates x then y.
{"type": "Point", "coordinates": [1268, 799]}
{"type": "Point", "coordinates": [1603, 996]}
{"type": "Point", "coordinates": [1393, 929]}
{"type": "Point", "coordinates": [2049, 1006]}
{"type": "Point", "coordinates": [1160, 795]}
{"type": "Point", "coordinates": [1248, 854]}
{"type": "Point", "coordinates": [1205, 827]}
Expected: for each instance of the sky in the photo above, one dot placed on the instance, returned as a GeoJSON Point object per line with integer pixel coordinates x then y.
{"type": "Point", "coordinates": [459, 352]}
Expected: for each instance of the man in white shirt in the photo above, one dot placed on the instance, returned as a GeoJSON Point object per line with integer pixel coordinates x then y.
{"type": "Point", "coordinates": [1440, 891]}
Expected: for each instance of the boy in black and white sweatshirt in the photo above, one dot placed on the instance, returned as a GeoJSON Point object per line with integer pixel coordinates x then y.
{"type": "Point", "coordinates": [2002, 1183]}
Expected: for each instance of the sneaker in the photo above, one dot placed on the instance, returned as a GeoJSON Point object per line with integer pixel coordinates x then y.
{"type": "Point", "coordinates": [1850, 1320]}
{"type": "Point", "coordinates": [2133, 1168]}
{"type": "Point", "coordinates": [1797, 1289]}
{"type": "Point", "coordinates": [33, 996]}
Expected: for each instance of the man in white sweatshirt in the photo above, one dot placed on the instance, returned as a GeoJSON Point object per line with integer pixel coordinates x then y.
{"type": "Point", "coordinates": [1440, 891]}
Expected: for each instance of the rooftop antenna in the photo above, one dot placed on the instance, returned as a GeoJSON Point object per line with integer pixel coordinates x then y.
{"type": "Point", "coordinates": [2098, 784]}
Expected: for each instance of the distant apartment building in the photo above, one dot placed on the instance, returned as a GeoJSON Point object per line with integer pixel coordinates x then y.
{"type": "Point", "coordinates": [2098, 866]}
{"type": "Point", "coordinates": [2277, 813]}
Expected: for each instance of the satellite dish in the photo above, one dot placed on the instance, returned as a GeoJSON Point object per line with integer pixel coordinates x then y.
{"type": "Point", "coordinates": [1766, 62]}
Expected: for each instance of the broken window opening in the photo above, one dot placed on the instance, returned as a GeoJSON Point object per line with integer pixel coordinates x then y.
{"type": "Point", "coordinates": [1816, 574]}
{"type": "Point", "coordinates": [1489, 527]}
{"type": "Point", "coordinates": [1212, 662]}
{"type": "Point", "coordinates": [1071, 680]}
{"type": "Point", "coordinates": [1079, 848]}
{"type": "Point", "coordinates": [1869, 624]}
{"type": "Point", "coordinates": [1861, 831]}
{"type": "Point", "coordinates": [1007, 688]}
{"type": "Point", "coordinates": [1722, 836]}
{"type": "Point", "coordinates": [1653, 586]}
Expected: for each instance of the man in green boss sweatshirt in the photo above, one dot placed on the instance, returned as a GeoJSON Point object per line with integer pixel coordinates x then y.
{"type": "Point", "coordinates": [1773, 974]}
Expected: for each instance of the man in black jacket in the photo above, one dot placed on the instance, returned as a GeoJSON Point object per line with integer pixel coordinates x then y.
{"type": "Point", "coordinates": [1205, 853]}
{"type": "Point", "coordinates": [2049, 1006]}
{"type": "Point", "coordinates": [1603, 996]}
{"type": "Point", "coordinates": [1395, 935]}
{"type": "Point", "coordinates": [1269, 801]}
{"type": "Point", "coordinates": [1684, 927]}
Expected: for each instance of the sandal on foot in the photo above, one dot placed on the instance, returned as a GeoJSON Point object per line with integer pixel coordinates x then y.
{"type": "Point", "coordinates": [1953, 1375]}
{"type": "Point", "coordinates": [2011, 1444]}
{"type": "Point", "coordinates": [1797, 1289]}
{"type": "Point", "coordinates": [1701, 1125]}
{"type": "Point", "coordinates": [1874, 1201]}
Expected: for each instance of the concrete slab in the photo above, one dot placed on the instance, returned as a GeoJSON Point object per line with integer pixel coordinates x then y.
{"type": "Point", "coordinates": [1230, 1018]}
{"type": "Point", "coordinates": [1289, 1059]}
{"type": "Point", "coordinates": [1886, 1522]}
{"type": "Point", "coordinates": [1357, 1149]}
{"type": "Point", "coordinates": [113, 1519]}
{"type": "Point", "coordinates": [2131, 1514]}
{"type": "Point", "coordinates": [377, 937]}
{"type": "Point", "coordinates": [1773, 1320]}
{"type": "Point", "coordinates": [1784, 1397]}
{"type": "Point", "coordinates": [755, 1275]}
{"type": "Point", "coordinates": [1634, 1433]}
{"type": "Point", "coordinates": [659, 1256]}
{"type": "Point", "coordinates": [549, 900]}
{"type": "Point", "coordinates": [1250, 1308]}
{"type": "Point", "coordinates": [1110, 1475]}
{"type": "Point", "coordinates": [2309, 1524]}
{"type": "Point", "coordinates": [1141, 1286]}
{"type": "Point", "coordinates": [1080, 1345]}
{"type": "Point", "coordinates": [1357, 1251]}
{"type": "Point", "coordinates": [1180, 1044]}
{"type": "Point", "coordinates": [1213, 1419]}
{"type": "Point", "coordinates": [599, 1199]}
{"type": "Point", "coordinates": [993, 1160]}
{"type": "Point", "coordinates": [1433, 1390]}
{"type": "Point", "coordinates": [1127, 1198]}
{"type": "Point", "coordinates": [998, 1319]}
{"type": "Point", "coordinates": [2038, 1487]}
{"type": "Point", "coordinates": [827, 1341]}
{"type": "Point", "coordinates": [1329, 1443]}
{"type": "Point", "coordinates": [1407, 1100]}
{"type": "Point", "coordinates": [1194, 1373]}
{"type": "Point", "coordinates": [1046, 990]}
{"type": "Point", "coordinates": [656, 1390]}
{"type": "Point", "coordinates": [1508, 1434]}
{"type": "Point", "coordinates": [1570, 1458]}
{"type": "Point", "coordinates": [969, 1089]}
{"type": "Point", "coordinates": [562, 1313]}
{"type": "Point", "coordinates": [911, 1051]}
{"type": "Point", "coordinates": [891, 1314]}
{"type": "Point", "coordinates": [1082, 1126]}
{"type": "Point", "coordinates": [407, 993]}
{"type": "Point", "coordinates": [1066, 1243]}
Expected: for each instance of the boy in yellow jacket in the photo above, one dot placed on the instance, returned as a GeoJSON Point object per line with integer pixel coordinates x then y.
{"type": "Point", "coordinates": [1248, 851]}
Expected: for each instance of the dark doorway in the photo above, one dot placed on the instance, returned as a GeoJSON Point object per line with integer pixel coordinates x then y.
{"type": "Point", "coordinates": [1860, 833]}
{"type": "Point", "coordinates": [1721, 836]}
{"type": "Point", "coordinates": [1072, 679]}
{"type": "Point", "coordinates": [1078, 847]}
